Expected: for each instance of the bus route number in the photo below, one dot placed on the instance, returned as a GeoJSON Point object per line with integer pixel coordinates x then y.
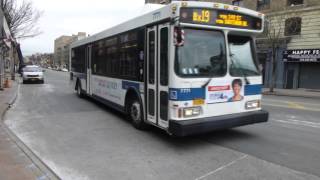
{"type": "Point", "coordinates": [203, 17]}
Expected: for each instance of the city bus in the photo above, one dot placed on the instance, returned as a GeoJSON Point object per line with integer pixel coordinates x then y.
{"type": "Point", "coordinates": [188, 67]}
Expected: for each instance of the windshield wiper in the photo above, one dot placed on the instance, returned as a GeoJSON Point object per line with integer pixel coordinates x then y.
{"type": "Point", "coordinates": [206, 84]}
{"type": "Point", "coordinates": [240, 69]}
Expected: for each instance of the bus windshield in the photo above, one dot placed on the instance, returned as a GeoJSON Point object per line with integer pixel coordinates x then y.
{"type": "Point", "coordinates": [241, 55]}
{"type": "Point", "coordinates": [203, 54]}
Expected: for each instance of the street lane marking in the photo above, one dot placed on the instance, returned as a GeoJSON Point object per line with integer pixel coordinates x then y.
{"type": "Point", "coordinates": [299, 122]}
{"type": "Point", "coordinates": [285, 106]}
{"type": "Point", "coordinates": [281, 101]}
{"type": "Point", "coordinates": [222, 167]}
{"type": "Point", "coordinates": [295, 105]}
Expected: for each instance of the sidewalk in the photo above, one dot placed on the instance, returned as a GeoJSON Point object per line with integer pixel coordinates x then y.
{"type": "Point", "coordinates": [6, 97]}
{"type": "Point", "coordinates": [306, 93]}
{"type": "Point", "coordinates": [14, 163]}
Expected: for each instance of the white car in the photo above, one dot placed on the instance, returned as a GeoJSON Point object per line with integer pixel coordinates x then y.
{"type": "Point", "coordinates": [64, 70]}
{"type": "Point", "coordinates": [32, 73]}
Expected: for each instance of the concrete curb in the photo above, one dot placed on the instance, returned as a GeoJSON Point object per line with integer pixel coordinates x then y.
{"type": "Point", "coordinates": [290, 95]}
{"type": "Point", "coordinates": [46, 172]}
{"type": "Point", "coordinates": [43, 168]}
{"type": "Point", "coordinates": [14, 98]}
{"type": "Point", "coordinates": [9, 104]}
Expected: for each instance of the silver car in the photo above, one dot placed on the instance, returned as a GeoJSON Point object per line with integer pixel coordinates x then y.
{"type": "Point", "coordinates": [32, 74]}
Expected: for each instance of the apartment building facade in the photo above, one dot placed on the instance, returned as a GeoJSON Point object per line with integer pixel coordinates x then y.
{"type": "Point", "coordinates": [62, 47]}
{"type": "Point", "coordinates": [297, 26]}
{"type": "Point", "coordinates": [298, 55]}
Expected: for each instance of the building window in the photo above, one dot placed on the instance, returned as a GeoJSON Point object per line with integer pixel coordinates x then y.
{"type": "Point", "coordinates": [294, 2]}
{"type": "Point", "coordinates": [237, 3]}
{"type": "Point", "coordinates": [263, 4]}
{"type": "Point", "coordinates": [293, 26]}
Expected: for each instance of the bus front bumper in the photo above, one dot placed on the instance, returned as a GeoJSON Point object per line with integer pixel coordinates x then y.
{"type": "Point", "coordinates": [204, 125]}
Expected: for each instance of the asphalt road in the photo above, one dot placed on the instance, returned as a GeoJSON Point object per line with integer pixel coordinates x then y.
{"type": "Point", "coordinates": [82, 139]}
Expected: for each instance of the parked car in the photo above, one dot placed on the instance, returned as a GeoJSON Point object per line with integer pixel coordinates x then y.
{"type": "Point", "coordinates": [64, 70]}
{"type": "Point", "coordinates": [32, 73]}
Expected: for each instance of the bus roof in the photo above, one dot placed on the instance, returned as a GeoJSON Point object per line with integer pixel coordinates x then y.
{"type": "Point", "coordinates": [159, 13]}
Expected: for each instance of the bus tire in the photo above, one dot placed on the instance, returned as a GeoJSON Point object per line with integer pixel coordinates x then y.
{"type": "Point", "coordinates": [135, 114]}
{"type": "Point", "coordinates": [79, 90]}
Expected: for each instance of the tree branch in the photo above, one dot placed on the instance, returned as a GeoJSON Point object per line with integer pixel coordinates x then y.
{"type": "Point", "coordinates": [22, 19]}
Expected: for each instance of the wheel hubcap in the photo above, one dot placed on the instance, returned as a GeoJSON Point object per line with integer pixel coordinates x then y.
{"type": "Point", "coordinates": [135, 111]}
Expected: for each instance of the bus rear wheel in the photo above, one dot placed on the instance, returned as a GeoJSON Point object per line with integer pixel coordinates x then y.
{"type": "Point", "coordinates": [135, 114]}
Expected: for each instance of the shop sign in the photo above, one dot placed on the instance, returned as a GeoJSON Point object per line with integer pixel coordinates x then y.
{"type": "Point", "coordinates": [301, 55]}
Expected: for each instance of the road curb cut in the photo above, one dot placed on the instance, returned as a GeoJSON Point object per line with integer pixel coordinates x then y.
{"type": "Point", "coordinates": [47, 172]}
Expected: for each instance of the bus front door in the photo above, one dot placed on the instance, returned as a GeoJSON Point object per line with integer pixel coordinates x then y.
{"type": "Point", "coordinates": [157, 74]}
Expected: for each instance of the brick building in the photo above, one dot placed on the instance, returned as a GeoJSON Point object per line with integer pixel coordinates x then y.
{"type": "Point", "coordinates": [10, 52]}
{"type": "Point", "coordinates": [298, 51]}
{"type": "Point", "coordinates": [61, 49]}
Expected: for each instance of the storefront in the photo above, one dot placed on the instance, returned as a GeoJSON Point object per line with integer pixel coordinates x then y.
{"type": "Point", "coordinates": [302, 68]}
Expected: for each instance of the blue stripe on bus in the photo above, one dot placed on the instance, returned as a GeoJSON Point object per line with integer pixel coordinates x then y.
{"type": "Point", "coordinates": [250, 90]}
{"type": "Point", "coordinates": [128, 84]}
{"type": "Point", "coordinates": [187, 94]}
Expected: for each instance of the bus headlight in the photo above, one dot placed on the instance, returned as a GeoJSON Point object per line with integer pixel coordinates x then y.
{"type": "Point", "coordinates": [190, 112]}
{"type": "Point", "coordinates": [253, 104]}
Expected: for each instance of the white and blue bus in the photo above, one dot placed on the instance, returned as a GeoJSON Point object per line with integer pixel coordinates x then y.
{"type": "Point", "coordinates": [187, 68]}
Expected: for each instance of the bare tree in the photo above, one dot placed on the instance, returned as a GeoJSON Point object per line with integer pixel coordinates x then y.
{"type": "Point", "coordinates": [22, 18]}
{"type": "Point", "coordinates": [276, 36]}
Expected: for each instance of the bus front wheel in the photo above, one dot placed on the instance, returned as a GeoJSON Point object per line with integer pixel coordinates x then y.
{"type": "Point", "coordinates": [135, 114]}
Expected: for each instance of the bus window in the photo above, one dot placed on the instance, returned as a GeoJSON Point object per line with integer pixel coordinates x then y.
{"type": "Point", "coordinates": [164, 56]}
{"type": "Point", "coordinates": [242, 59]}
{"type": "Point", "coordinates": [202, 55]}
{"type": "Point", "coordinates": [151, 57]}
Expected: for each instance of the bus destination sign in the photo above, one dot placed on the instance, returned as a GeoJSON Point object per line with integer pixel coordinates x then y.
{"type": "Point", "coordinates": [231, 19]}
{"type": "Point", "coordinates": [221, 18]}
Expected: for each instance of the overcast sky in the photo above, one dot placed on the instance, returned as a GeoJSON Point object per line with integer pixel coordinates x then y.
{"type": "Point", "coordinates": [67, 17]}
